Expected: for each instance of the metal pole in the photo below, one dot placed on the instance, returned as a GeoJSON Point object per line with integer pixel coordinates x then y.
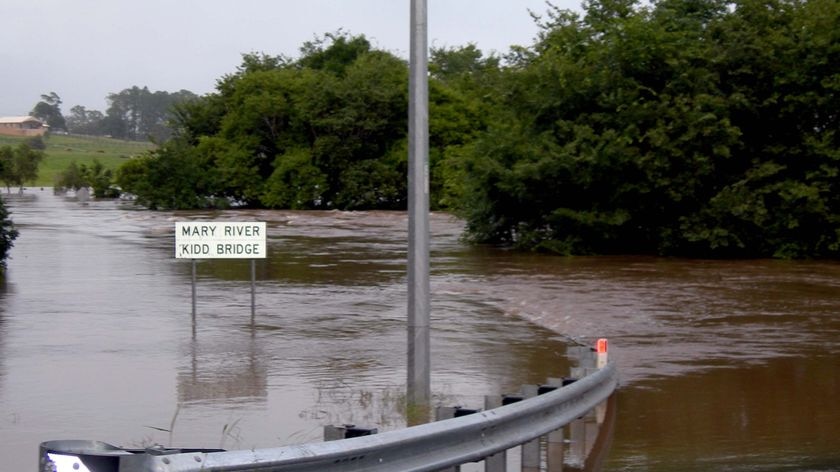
{"type": "Point", "coordinates": [253, 288]}
{"type": "Point", "coordinates": [193, 288]}
{"type": "Point", "coordinates": [193, 299]}
{"type": "Point", "coordinates": [419, 378]}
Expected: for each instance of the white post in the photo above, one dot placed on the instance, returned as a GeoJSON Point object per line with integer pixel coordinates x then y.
{"type": "Point", "coordinates": [601, 353]}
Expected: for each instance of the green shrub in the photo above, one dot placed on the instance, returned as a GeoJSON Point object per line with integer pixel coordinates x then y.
{"type": "Point", "coordinates": [8, 233]}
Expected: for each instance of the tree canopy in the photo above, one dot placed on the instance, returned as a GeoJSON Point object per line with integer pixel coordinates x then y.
{"type": "Point", "coordinates": [135, 114]}
{"type": "Point", "coordinates": [48, 110]}
{"type": "Point", "coordinates": [324, 131]}
{"type": "Point", "coordinates": [94, 176]}
{"type": "Point", "coordinates": [680, 127]}
{"type": "Point", "coordinates": [19, 164]}
{"type": "Point", "coordinates": [690, 127]}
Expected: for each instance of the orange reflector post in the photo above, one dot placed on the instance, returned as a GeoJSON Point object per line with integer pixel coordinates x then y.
{"type": "Point", "coordinates": [601, 352]}
{"type": "Point", "coordinates": [602, 346]}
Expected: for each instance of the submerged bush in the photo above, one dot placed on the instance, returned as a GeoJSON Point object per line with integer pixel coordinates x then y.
{"type": "Point", "coordinates": [8, 233]}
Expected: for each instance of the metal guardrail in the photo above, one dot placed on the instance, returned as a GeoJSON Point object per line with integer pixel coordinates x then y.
{"type": "Point", "coordinates": [427, 447]}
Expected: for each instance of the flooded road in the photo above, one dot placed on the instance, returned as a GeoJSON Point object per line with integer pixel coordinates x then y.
{"type": "Point", "coordinates": [724, 365]}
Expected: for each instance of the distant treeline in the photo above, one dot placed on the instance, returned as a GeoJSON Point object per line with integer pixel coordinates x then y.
{"type": "Point", "coordinates": [679, 127]}
{"type": "Point", "coordinates": [134, 114]}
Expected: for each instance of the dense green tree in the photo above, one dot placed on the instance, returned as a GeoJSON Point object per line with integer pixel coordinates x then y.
{"type": "Point", "coordinates": [359, 117]}
{"type": "Point", "coordinates": [137, 113]}
{"type": "Point", "coordinates": [26, 163]}
{"type": "Point", "coordinates": [8, 233]}
{"type": "Point", "coordinates": [685, 127]}
{"type": "Point", "coordinates": [778, 63]}
{"type": "Point", "coordinates": [465, 66]}
{"type": "Point", "coordinates": [173, 177]}
{"type": "Point", "coordinates": [48, 110]}
{"type": "Point", "coordinates": [333, 52]}
{"type": "Point", "coordinates": [296, 182]}
{"type": "Point", "coordinates": [84, 121]}
{"type": "Point", "coordinates": [94, 176]}
{"type": "Point", "coordinates": [464, 91]}
{"type": "Point", "coordinates": [71, 178]}
{"type": "Point", "coordinates": [192, 119]}
{"type": "Point", "coordinates": [19, 165]}
{"type": "Point", "coordinates": [690, 127]}
{"type": "Point", "coordinates": [134, 113]}
{"type": "Point", "coordinates": [7, 165]}
{"type": "Point", "coordinates": [322, 131]}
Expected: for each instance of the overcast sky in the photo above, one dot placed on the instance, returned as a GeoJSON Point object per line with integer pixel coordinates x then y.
{"type": "Point", "coordinates": [85, 49]}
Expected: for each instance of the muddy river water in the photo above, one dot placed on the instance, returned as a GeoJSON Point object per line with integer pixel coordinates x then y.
{"type": "Point", "coordinates": [724, 365]}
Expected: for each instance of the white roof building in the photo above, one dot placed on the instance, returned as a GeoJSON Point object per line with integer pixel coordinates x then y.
{"type": "Point", "coordinates": [22, 126]}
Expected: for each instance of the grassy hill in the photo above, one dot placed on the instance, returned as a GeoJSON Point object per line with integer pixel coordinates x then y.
{"type": "Point", "coordinates": [64, 149]}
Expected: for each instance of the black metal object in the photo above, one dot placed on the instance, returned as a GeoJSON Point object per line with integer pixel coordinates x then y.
{"type": "Point", "coordinates": [355, 432]}
{"type": "Point", "coordinates": [459, 412]}
{"type": "Point", "coordinates": [508, 399]}
{"type": "Point", "coordinates": [347, 431]}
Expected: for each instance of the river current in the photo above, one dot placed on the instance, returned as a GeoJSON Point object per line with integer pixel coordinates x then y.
{"type": "Point", "coordinates": [724, 365]}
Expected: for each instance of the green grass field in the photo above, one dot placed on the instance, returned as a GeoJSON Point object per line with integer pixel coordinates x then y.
{"type": "Point", "coordinates": [64, 149]}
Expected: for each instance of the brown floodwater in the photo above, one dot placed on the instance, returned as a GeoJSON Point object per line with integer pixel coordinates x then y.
{"type": "Point", "coordinates": [725, 365]}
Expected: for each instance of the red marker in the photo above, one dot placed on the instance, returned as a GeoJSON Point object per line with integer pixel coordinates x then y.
{"type": "Point", "coordinates": [601, 350]}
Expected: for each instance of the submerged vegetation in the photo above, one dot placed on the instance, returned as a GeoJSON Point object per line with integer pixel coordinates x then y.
{"type": "Point", "coordinates": [19, 164]}
{"type": "Point", "coordinates": [681, 127]}
{"type": "Point", "coordinates": [8, 233]}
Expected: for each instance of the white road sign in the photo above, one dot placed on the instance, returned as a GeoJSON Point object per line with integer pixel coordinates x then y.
{"type": "Point", "coordinates": [220, 240]}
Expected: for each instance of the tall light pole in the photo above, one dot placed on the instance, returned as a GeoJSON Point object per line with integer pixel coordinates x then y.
{"type": "Point", "coordinates": [419, 392]}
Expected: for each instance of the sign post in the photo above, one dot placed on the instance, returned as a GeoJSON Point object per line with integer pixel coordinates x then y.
{"type": "Point", "coordinates": [221, 240]}
{"type": "Point", "coordinates": [253, 288]}
{"type": "Point", "coordinates": [194, 270]}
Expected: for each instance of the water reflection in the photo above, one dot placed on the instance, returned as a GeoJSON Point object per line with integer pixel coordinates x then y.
{"type": "Point", "coordinates": [2, 331]}
{"type": "Point", "coordinates": [223, 369]}
{"type": "Point", "coordinates": [589, 440]}
{"type": "Point", "coordinates": [777, 415]}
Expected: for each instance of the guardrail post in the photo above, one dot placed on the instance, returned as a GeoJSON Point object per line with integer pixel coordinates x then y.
{"type": "Point", "coordinates": [531, 449]}
{"type": "Point", "coordinates": [600, 363]}
{"type": "Point", "coordinates": [554, 447]}
{"type": "Point", "coordinates": [583, 432]}
{"type": "Point", "coordinates": [601, 353]}
{"type": "Point", "coordinates": [496, 462]}
{"type": "Point", "coordinates": [577, 442]}
{"type": "Point", "coordinates": [583, 436]}
{"type": "Point", "coordinates": [507, 400]}
{"type": "Point", "coordinates": [449, 412]}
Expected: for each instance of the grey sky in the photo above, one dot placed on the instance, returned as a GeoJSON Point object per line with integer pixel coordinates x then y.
{"type": "Point", "coordinates": [85, 49]}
